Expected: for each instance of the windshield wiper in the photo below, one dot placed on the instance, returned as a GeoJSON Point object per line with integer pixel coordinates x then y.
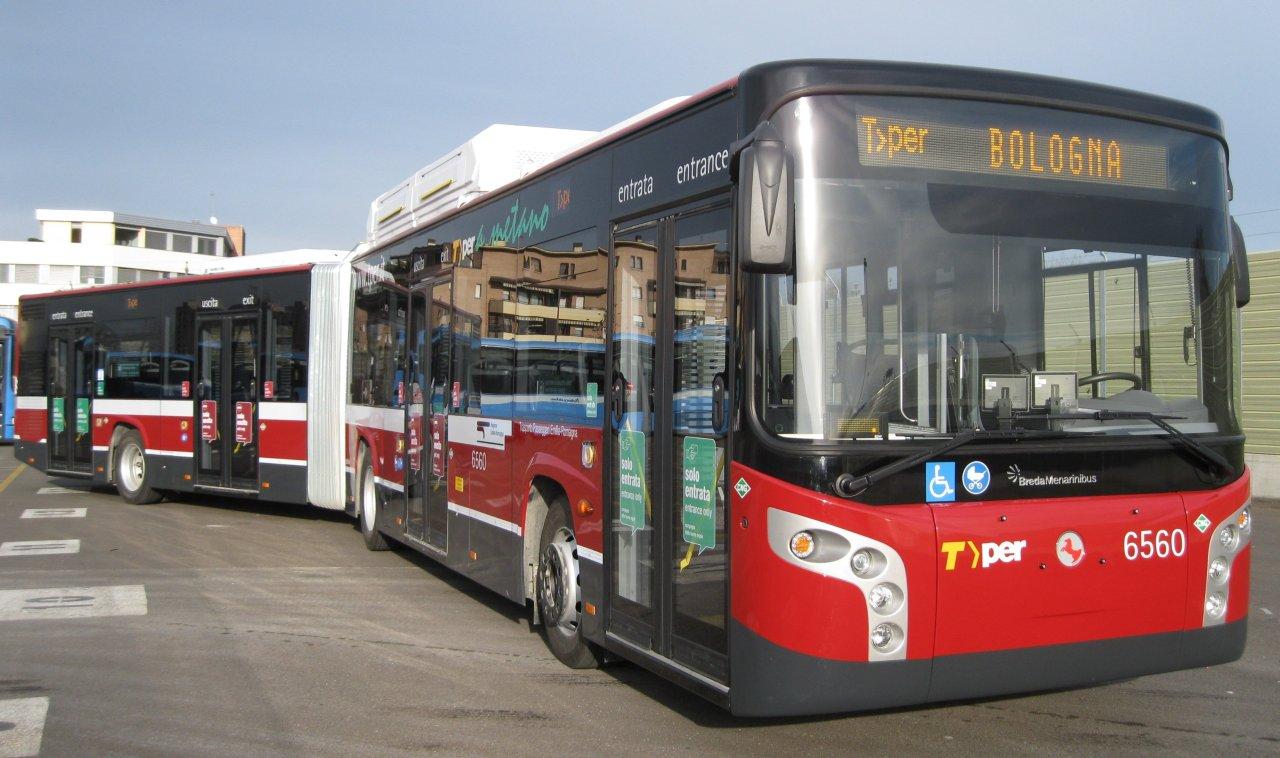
{"type": "Point", "coordinates": [1192, 445]}
{"type": "Point", "coordinates": [848, 485]}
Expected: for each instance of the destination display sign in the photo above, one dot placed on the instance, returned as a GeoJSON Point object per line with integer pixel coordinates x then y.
{"type": "Point", "coordinates": [1004, 147]}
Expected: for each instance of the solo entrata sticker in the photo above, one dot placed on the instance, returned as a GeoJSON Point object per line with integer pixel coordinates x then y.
{"type": "Point", "coordinates": [1069, 549]}
{"type": "Point", "coordinates": [208, 420]}
{"type": "Point", "coordinates": [82, 415]}
{"type": "Point", "coordinates": [698, 515]}
{"type": "Point", "coordinates": [631, 479]}
{"type": "Point", "coordinates": [244, 423]}
{"type": "Point", "coordinates": [59, 415]}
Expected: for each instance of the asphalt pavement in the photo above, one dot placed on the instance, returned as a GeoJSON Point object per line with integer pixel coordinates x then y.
{"type": "Point", "coordinates": [209, 626]}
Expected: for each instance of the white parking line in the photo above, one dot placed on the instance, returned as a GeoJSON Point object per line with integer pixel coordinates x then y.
{"type": "Point", "coordinates": [22, 726]}
{"type": "Point", "coordinates": [55, 512]}
{"type": "Point", "coordinates": [73, 602]}
{"type": "Point", "coordinates": [40, 547]}
{"type": "Point", "coordinates": [60, 491]}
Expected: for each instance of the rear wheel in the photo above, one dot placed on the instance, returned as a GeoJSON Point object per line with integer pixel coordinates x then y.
{"type": "Point", "coordinates": [367, 505]}
{"type": "Point", "coordinates": [132, 474]}
{"type": "Point", "coordinates": [559, 591]}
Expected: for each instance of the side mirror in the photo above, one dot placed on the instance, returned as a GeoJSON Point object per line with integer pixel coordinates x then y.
{"type": "Point", "coordinates": [766, 215]}
{"type": "Point", "coordinates": [1241, 258]}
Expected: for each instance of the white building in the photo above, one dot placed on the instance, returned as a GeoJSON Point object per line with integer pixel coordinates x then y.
{"type": "Point", "coordinates": [83, 248]}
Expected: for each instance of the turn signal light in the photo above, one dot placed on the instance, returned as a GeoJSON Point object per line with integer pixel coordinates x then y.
{"type": "Point", "coordinates": [803, 545]}
{"type": "Point", "coordinates": [585, 508]}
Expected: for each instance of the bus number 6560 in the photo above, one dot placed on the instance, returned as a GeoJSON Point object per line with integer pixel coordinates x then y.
{"type": "Point", "coordinates": [1160, 543]}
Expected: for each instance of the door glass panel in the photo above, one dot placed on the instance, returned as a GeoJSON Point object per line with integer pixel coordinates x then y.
{"type": "Point", "coordinates": [441, 396]}
{"type": "Point", "coordinates": [240, 418]}
{"type": "Point", "coordinates": [419, 457]}
{"type": "Point", "coordinates": [635, 293]}
{"type": "Point", "coordinates": [209, 401]}
{"type": "Point", "coordinates": [79, 415]}
{"type": "Point", "coordinates": [59, 391]}
{"type": "Point", "coordinates": [699, 382]}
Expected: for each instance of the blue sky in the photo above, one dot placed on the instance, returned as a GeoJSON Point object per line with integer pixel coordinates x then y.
{"type": "Point", "coordinates": [295, 115]}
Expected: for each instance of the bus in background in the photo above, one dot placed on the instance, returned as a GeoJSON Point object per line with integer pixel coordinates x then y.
{"type": "Point", "coordinates": [838, 386]}
{"type": "Point", "coordinates": [197, 384]}
{"type": "Point", "coordinates": [8, 334]}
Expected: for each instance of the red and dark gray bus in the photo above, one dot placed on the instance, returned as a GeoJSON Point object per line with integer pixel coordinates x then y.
{"type": "Point", "coordinates": [838, 386]}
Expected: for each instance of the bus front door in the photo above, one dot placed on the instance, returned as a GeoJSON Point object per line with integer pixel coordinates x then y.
{"type": "Point", "coordinates": [225, 400]}
{"type": "Point", "coordinates": [668, 406]}
{"type": "Point", "coordinates": [426, 409]}
{"type": "Point", "coordinates": [71, 378]}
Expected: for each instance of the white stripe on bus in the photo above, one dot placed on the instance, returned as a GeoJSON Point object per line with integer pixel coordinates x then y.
{"type": "Point", "coordinates": [284, 461]}
{"type": "Point", "coordinates": [31, 402]}
{"type": "Point", "coordinates": [388, 483]}
{"type": "Point", "coordinates": [386, 419]}
{"type": "Point", "coordinates": [591, 555]}
{"type": "Point", "coordinates": [486, 518]}
{"type": "Point", "coordinates": [273, 411]}
{"type": "Point", "coordinates": [113, 407]}
{"type": "Point", "coordinates": [174, 453]}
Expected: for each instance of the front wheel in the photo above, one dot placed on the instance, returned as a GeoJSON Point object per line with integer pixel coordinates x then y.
{"type": "Point", "coordinates": [132, 474]}
{"type": "Point", "coordinates": [559, 592]}
{"type": "Point", "coordinates": [367, 505]}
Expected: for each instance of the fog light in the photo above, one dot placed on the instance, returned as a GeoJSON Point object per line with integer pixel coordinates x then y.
{"type": "Point", "coordinates": [1216, 604]}
{"type": "Point", "coordinates": [803, 545]}
{"type": "Point", "coordinates": [867, 563]}
{"type": "Point", "coordinates": [1244, 521]}
{"type": "Point", "coordinates": [1228, 537]}
{"type": "Point", "coordinates": [885, 598]}
{"type": "Point", "coordinates": [1218, 570]}
{"type": "Point", "coordinates": [886, 637]}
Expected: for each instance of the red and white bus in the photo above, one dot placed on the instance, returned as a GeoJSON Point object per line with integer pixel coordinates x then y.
{"type": "Point", "coordinates": [838, 386]}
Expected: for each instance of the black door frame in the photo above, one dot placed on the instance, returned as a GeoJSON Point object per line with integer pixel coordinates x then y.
{"type": "Point", "coordinates": [225, 422]}
{"type": "Point", "coordinates": [74, 336]}
{"type": "Point", "coordinates": [661, 435]}
{"type": "Point", "coordinates": [422, 365]}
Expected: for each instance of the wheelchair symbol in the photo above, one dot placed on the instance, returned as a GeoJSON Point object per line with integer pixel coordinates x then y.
{"type": "Point", "coordinates": [940, 481]}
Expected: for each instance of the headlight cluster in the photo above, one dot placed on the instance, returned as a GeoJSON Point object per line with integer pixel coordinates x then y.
{"type": "Point", "coordinates": [1228, 540]}
{"type": "Point", "coordinates": [873, 567]}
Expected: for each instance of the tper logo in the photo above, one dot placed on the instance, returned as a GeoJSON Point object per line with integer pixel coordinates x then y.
{"type": "Point", "coordinates": [1070, 549]}
{"type": "Point", "coordinates": [988, 554]}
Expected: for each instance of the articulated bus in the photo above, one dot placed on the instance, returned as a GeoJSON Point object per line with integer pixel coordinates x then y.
{"type": "Point", "coordinates": [838, 386]}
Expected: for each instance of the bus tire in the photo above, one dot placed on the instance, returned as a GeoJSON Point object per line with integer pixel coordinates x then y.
{"type": "Point", "coordinates": [367, 505]}
{"type": "Point", "coordinates": [558, 591]}
{"type": "Point", "coordinates": [132, 474]}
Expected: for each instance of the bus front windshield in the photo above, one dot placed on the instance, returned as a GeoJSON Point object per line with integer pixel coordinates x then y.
{"type": "Point", "coordinates": [966, 265]}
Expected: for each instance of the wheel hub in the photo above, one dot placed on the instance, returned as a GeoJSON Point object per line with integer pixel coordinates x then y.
{"type": "Point", "coordinates": [558, 580]}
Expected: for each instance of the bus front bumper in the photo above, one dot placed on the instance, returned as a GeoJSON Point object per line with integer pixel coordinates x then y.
{"type": "Point", "coordinates": [769, 680]}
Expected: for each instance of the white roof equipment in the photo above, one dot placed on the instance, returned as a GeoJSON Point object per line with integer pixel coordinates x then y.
{"type": "Point", "coordinates": [496, 156]}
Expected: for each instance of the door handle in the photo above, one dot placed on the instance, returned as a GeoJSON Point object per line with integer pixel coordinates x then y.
{"type": "Point", "coordinates": [717, 403]}
{"type": "Point", "coordinates": [617, 402]}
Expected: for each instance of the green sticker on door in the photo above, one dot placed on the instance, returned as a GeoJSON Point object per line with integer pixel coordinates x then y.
{"type": "Point", "coordinates": [59, 415]}
{"type": "Point", "coordinates": [593, 398]}
{"type": "Point", "coordinates": [631, 479]}
{"type": "Point", "coordinates": [82, 415]}
{"type": "Point", "coordinates": [699, 484]}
